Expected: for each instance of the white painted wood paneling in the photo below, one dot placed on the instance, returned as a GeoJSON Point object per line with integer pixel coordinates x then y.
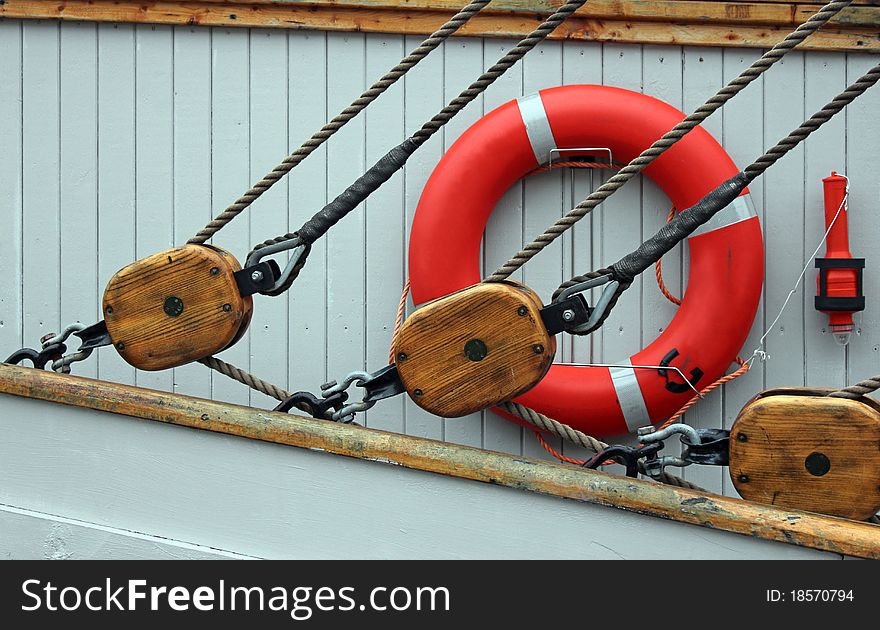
{"type": "Point", "coordinates": [192, 160]}
{"type": "Point", "coordinates": [78, 230]}
{"type": "Point", "coordinates": [116, 106]}
{"type": "Point", "coordinates": [28, 535]}
{"type": "Point", "coordinates": [41, 181]}
{"type": "Point", "coordinates": [118, 141]}
{"type": "Point", "coordinates": [11, 193]}
{"type": "Point", "coordinates": [270, 501]}
{"type": "Point", "coordinates": [384, 270]}
{"type": "Point", "coordinates": [863, 354]}
{"type": "Point", "coordinates": [231, 172]}
{"type": "Point", "coordinates": [463, 60]}
{"type": "Point", "coordinates": [307, 97]}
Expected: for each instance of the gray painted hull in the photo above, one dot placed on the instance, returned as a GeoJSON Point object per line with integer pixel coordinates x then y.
{"type": "Point", "coordinates": [79, 483]}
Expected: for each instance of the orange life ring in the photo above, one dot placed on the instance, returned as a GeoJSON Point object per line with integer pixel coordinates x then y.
{"type": "Point", "coordinates": [726, 254]}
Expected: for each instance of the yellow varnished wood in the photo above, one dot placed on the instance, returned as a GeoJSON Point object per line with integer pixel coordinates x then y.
{"type": "Point", "coordinates": [213, 314]}
{"type": "Point", "coordinates": [434, 365]}
{"type": "Point", "coordinates": [778, 430]}
{"type": "Point", "coordinates": [748, 23]}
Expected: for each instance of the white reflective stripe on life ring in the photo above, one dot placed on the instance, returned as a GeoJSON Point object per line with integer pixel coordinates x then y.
{"type": "Point", "coordinates": [534, 117]}
{"type": "Point", "coordinates": [629, 395]}
{"type": "Point", "coordinates": [737, 210]}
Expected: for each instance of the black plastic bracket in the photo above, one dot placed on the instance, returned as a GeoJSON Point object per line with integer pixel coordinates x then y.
{"type": "Point", "coordinates": [827, 303]}
{"type": "Point", "coordinates": [672, 386]}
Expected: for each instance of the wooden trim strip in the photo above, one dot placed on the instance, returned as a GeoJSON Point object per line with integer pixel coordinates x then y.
{"type": "Point", "coordinates": [755, 24]}
{"type": "Point", "coordinates": [685, 506]}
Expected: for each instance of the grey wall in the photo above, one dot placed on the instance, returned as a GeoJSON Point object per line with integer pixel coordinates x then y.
{"type": "Point", "coordinates": [79, 483]}
{"type": "Point", "coordinates": [119, 141]}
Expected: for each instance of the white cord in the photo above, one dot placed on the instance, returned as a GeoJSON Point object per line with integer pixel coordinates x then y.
{"type": "Point", "coordinates": [759, 352]}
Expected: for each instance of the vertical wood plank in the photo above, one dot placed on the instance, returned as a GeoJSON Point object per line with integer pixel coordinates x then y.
{"type": "Point", "coordinates": [307, 193]}
{"type": "Point", "coordinates": [863, 138]}
{"type": "Point", "coordinates": [154, 145]}
{"type": "Point", "coordinates": [662, 73]}
{"type": "Point", "coordinates": [702, 77]}
{"type": "Point", "coordinates": [346, 282]}
{"type": "Point", "coordinates": [462, 61]}
{"type": "Point", "coordinates": [79, 282]}
{"type": "Point", "coordinates": [783, 228]}
{"type": "Point", "coordinates": [385, 223]}
{"type": "Point", "coordinates": [620, 218]}
{"type": "Point", "coordinates": [11, 167]}
{"type": "Point", "coordinates": [581, 64]}
{"type": "Point", "coordinates": [41, 192]}
{"type": "Point", "coordinates": [504, 230]}
{"type": "Point", "coordinates": [230, 171]}
{"type": "Point", "coordinates": [117, 165]}
{"type": "Point", "coordinates": [424, 98]}
{"type": "Point", "coordinates": [619, 223]}
{"type": "Point", "coordinates": [824, 360]}
{"type": "Point", "coordinates": [268, 215]}
{"type": "Point", "coordinates": [192, 161]}
{"type": "Point", "coordinates": [543, 203]}
{"type": "Point", "coordinates": [744, 139]}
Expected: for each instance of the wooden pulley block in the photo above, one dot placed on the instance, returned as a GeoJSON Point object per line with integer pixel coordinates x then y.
{"type": "Point", "coordinates": [175, 307]}
{"type": "Point", "coordinates": [799, 449]}
{"type": "Point", "coordinates": [474, 348]}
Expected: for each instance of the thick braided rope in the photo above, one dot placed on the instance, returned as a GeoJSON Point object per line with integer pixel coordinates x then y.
{"type": "Point", "coordinates": [470, 93]}
{"type": "Point", "coordinates": [652, 249]}
{"type": "Point", "coordinates": [669, 139]}
{"type": "Point", "coordinates": [859, 390]}
{"type": "Point", "coordinates": [359, 104]}
{"type": "Point", "coordinates": [258, 384]}
{"type": "Point", "coordinates": [815, 121]}
{"type": "Point", "coordinates": [501, 66]}
{"type": "Point", "coordinates": [579, 438]}
{"type": "Point", "coordinates": [686, 222]}
{"type": "Point", "coordinates": [592, 275]}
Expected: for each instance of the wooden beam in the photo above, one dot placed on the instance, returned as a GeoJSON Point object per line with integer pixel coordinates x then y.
{"type": "Point", "coordinates": [685, 506]}
{"type": "Point", "coordinates": [755, 24]}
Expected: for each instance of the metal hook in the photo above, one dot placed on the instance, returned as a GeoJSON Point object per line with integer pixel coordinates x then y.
{"type": "Point", "coordinates": [299, 250]}
{"type": "Point", "coordinates": [602, 303]}
{"type": "Point", "coordinates": [377, 386]}
{"type": "Point", "coordinates": [39, 359]}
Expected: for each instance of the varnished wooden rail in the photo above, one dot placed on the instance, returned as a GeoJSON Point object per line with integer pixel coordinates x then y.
{"type": "Point", "coordinates": [752, 23]}
{"type": "Point", "coordinates": [685, 506]}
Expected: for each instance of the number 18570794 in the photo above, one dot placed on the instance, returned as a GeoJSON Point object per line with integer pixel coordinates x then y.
{"type": "Point", "coordinates": [810, 595]}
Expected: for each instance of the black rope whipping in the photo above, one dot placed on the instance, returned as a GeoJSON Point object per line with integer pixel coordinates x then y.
{"type": "Point", "coordinates": [649, 252]}
{"type": "Point", "coordinates": [394, 160]}
{"type": "Point", "coordinates": [671, 234]}
{"type": "Point", "coordinates": [322, 135]}
{"type": "Point", "coordinates": [351, 197]}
